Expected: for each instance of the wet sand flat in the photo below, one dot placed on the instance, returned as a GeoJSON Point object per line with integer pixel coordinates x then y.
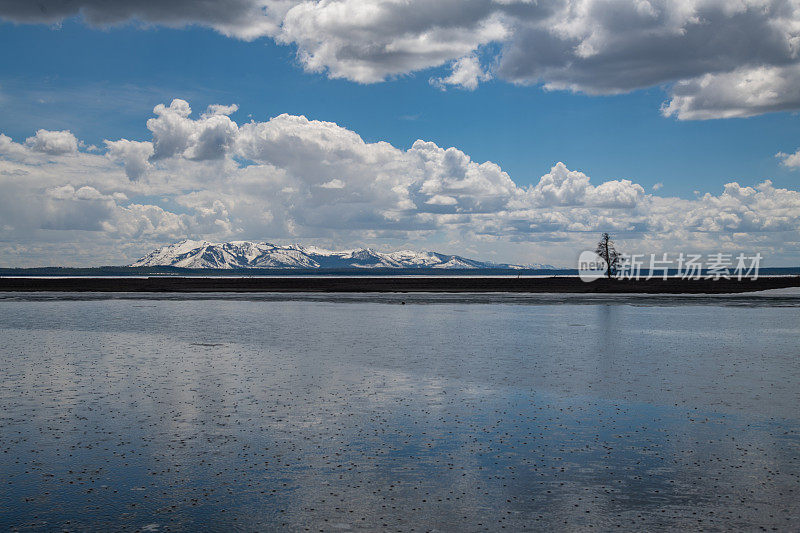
{"type": "Point", "coordinates": [398, 412]}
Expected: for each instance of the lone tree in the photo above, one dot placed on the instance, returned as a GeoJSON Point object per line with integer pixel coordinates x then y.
{"type": "Point", "coordinates": [606, 250]}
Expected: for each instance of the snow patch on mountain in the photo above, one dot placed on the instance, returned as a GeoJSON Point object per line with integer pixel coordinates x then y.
{"type": "Point", "coordinates": [248, 255]}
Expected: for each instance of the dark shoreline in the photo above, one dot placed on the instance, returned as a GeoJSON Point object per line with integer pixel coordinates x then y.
{"type": "Point", "coordinates": [394, 284]}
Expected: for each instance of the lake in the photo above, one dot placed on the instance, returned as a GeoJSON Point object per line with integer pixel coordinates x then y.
{"type": "Point", "coordinates": [400, 412]}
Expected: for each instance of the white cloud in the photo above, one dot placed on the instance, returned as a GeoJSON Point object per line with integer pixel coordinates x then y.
{"type": "Point", "coordinates": [742, 93]}
{"type": "Point", "coordinates": [789, 160]}
{"type": "Point", "coordinates": [369, 40]}
{"type": "Point", "coordinates": [134, 155]}
{"type": "Point", "coordinates": [450, 173]}
{"type": "Point", "coordinates": [563, 187]}
{"type": "Point", "coordinates": [333, 184]}
{"type": "Point", "coordinates": [466, 73]}
{"type": "Point", "coordinates": [295, 179]}
{"type": "Point", "coordinates": [9, 149]}
{"type": "Point", "coordinates": [747, 209]}
{"type": "Point", "coordinates": [716, 58]}
{"type": "Point", "coordinates": [174, 133]}
{"type": "Point", "coordinates": [135, 221]}
{"type": "Point", "coordinates": [439, 199]}
{"type": "Point", "coordinates": [217, 109]}
{"type": "Point", "coordinates": [53, 142]}
{"type": "Point", "coordinates": [85, 208]}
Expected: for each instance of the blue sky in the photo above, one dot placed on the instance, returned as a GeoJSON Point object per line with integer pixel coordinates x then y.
{"type": "Point", "coordinates": [545, 124]}
{"type": "Point", "coordinates": [101, 83]}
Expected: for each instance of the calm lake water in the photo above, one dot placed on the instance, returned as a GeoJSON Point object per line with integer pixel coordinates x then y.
{"type": "Point", "coordinates": [399, 412]}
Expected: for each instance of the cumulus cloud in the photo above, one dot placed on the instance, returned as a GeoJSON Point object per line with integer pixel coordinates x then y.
{"type": "Point", "coordinates": [53, 142]}
{"type": "Point", "coordinates": [466, 73]}
{"type": "Point", "coordinates": [747, 209]}
{"type": "Point", "coordinates": [84, 208]}
{"type": "Point", "coordinates": [368, 41]}
{"type": "Point", "coordinates": [295, 179]}
{"type": "Point", "coordinates": [717, 58]}
{"type": "Point", "coordinates": [134, 155]}
{"type": "Point", "coordinates": [134, 221]}
{"type": "Point", "coordinates": [449, 174]}
{"type": "Point", "coordinates": [562, 186]}
{"type": "Point", "coordinates": [789, 160]}
{"type": "Point", "coordinates": [610, 46]}
{"type": "Point", "coordinates": [174, 133]}
{"type": "Point", "coordinates": [742, 93]}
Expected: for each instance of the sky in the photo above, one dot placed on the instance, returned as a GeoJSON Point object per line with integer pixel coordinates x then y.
{"type": "Point", "coordinates": [504, 130]}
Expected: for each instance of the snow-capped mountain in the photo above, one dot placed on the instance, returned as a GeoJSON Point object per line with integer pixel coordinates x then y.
{"type": "Point", "coordinates": [244, 254]}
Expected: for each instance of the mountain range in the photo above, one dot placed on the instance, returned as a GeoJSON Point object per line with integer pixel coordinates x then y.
{"type": "Point", "coordinates": [250, 255]}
